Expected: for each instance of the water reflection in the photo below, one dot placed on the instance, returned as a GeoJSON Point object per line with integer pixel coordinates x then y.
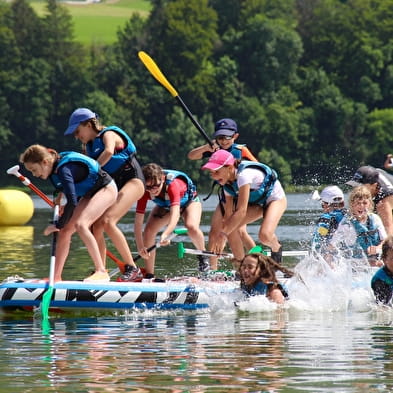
{"type": "Point", "coordinates": [16, 246]}
{"type": "Point", "coordinates": [183, 352]}
{"type": "Point", "coordinates": [330, 337]}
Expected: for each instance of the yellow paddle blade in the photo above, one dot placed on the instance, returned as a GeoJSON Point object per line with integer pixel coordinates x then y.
{"type": "Point", "coordinates": [156, 72]}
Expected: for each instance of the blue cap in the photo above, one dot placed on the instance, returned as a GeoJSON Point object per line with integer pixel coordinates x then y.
{"type": "Point", "coordinates": [79, 115]}
{"type": "Point", "coordinates": [226, 127]}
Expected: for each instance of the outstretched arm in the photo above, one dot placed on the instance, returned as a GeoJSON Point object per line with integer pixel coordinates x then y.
{"type": "Point", "coordinates": [198, 152]}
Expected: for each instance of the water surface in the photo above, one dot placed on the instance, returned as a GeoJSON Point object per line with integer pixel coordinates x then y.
{"type": "Point", "coordinates": [330, 337]}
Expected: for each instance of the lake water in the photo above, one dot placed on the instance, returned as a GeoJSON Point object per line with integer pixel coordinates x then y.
{"type": "Point", "coordinates": [330, 337]}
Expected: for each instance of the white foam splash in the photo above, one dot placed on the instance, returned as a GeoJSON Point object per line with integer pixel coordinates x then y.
{"type": "Point", "coordinates": [319, 287]}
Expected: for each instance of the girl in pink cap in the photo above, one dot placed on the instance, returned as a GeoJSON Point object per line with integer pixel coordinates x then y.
{"type": "Point", "coordinates": [225, 137]}
{"type": "Point", "coordinates": [252, 191]}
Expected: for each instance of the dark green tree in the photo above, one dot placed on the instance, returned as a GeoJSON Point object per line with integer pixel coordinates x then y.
{"type": "Point", "coordinates": [182, 35]}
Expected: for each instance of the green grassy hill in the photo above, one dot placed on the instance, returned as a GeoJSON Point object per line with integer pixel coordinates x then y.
{"type": "Point", "coordinates": [98, 22]}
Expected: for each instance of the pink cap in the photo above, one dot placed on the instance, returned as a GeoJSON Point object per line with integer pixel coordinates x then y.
{"type": "Point", "coordinates": [219, 159]}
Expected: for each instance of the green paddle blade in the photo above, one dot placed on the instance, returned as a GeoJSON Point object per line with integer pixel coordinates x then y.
{"type": "Point", "coordinates": [46, 302]}
{"type": "Point", "coordinates": [257, 249]}
{"type": "Point", "coordinates": [180, 250]}
{"type": "Point", "coordinates": [181, 231]}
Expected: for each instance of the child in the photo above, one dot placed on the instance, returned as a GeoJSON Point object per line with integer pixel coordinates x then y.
{"type": "Point", "coordinates": [225, 135]}
{"type": "Point", "coordinates": [381, 191]}
{"type": "Point", "coordinates": [258, 277]}
{"type": "Point", "coordinates": [333, 212]}
{"type": "Point", "coordinates": [360, 232]}
{"type": "Point", "coordinates": [252, 191]}
{"type": "Point", "coordinates": [116, 153]}
{"type": "Point", "coordinates": [382, 281]}
{"type": "Point", "coordinates": [77, 176]}
{"type": "Point", "coordinates": [175, 195]}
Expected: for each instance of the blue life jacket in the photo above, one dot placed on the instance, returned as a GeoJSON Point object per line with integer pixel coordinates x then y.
{"type": "Point", "coordinates": [260, 288]}
{"type": "Point", "coordinates": [383, 276]}
{"type": "Point", "coordinates": [82, 187]}
{"type": "Point", "coordinates": [95, 147]}
{"type": "Point", "coordinates": [382, 285]}
{"type": "Point", "coordinates": [188, 196]}
{"type": "Point", "coordinates": [367, 234]}
{"type": "Point", "coordinates": [259, 196]}
{"type": "Point", "coordinates": [326, 225]}
{"type": "Point", "coordinates": [236, 150]}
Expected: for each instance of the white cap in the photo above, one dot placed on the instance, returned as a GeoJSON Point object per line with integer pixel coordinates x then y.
{"type": "Point", "coordinates": [332, 194]}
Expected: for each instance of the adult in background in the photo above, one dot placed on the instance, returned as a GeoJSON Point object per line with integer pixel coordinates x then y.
{"type": "Point", "coordinates": [116, 153]}
{"type": "Point", "coordinates": [381, 190]}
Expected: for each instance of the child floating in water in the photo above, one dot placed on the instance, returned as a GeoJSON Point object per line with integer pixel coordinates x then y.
{"type": "Point", "coordinates": [258, 277]}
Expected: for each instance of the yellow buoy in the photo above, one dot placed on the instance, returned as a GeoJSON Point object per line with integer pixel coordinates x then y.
{"type": "Point", "coordinates": [16, 207]}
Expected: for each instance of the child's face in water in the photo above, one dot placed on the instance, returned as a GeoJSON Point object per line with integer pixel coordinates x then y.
{"type": "Point", "coordinates": [249, 270]}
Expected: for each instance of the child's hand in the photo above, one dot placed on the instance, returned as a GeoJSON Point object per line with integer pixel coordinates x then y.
{"type": "Point", "coordinates": [373, 250]}
{"type": "Point", "coordinates": [215, 147]}
{"type": "Point", "coordinates": [144, 253]}
{"type": "Point", "coordinates": [219, 245]}
{"type": "Point", "coordinates": [164, 241]}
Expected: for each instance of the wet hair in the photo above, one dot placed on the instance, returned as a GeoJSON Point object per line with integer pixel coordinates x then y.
{"type": "Point", "coordinates": [267, 267]}
{"type": "Point", "coordinates": [153, 172]}
{"type": "Point", "coordinates": [360, 192]}
{"type": "Point", "coordinates": [387, 246]}
{"type": "Point", "coordinates": [35, 154]}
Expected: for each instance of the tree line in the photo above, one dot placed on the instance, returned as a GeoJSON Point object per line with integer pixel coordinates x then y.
{"type": "Point", "coordinates": [309, 82]}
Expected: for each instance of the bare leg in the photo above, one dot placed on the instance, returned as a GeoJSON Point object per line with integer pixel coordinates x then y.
{"type": "Point", "coordinates": [86, 213]}
{"type": "Point", "coordinates": [62, 249]}
{"type": "Point", "coordinates": [247, 240]}
{"type": "Point", "coordinates": [271, 218]}
{"type": "Point", "coordinates": [127, 196]}
{"type": "Point", "coordinates": [215, 227]}
{"type": "Point", "coordinates": [192, 218]}
{"type": "Point", "coordinates": [153, 225]}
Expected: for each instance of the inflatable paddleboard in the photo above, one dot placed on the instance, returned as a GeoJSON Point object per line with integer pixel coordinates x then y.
{"type": "Point", "coordinates": [24, 294]}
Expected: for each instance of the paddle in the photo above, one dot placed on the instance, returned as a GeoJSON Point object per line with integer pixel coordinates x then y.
{"type": "Point", "coordinates": [159, 76]}
{"type": "Point", "coordinates": [15, 171]}
{"type": "Point", "coordinates": [176, 232]}
{"type": "Point", "coordinates": [181, 251]}
{"type": "Point", "coordinates": [48, 294]}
